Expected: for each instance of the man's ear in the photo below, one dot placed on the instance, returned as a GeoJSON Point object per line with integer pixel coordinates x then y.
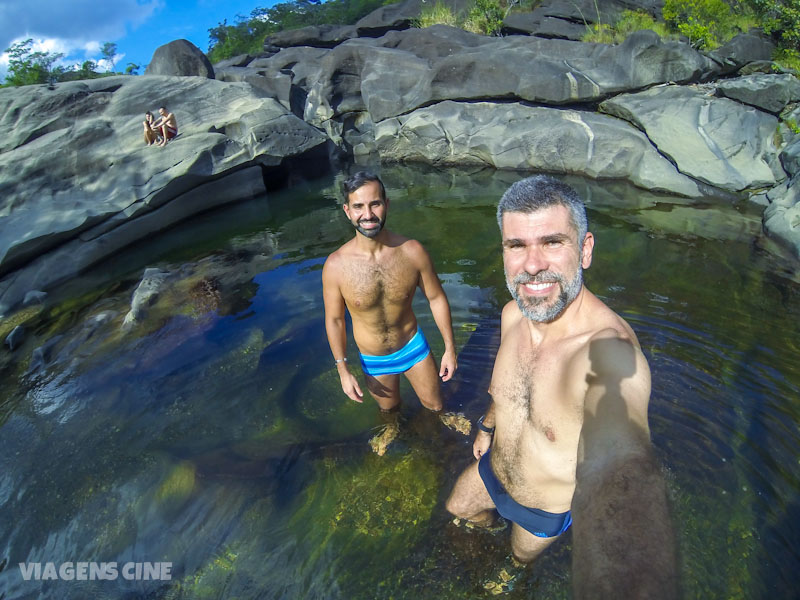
{"type": "Point", "coordinates": [586, 250]}
{"type": "Point", "coordinates": [346, 209]}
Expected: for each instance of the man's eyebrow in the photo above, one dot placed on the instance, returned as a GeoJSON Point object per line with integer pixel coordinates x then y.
{"type": "Point", "coordinates": [554, 237]}
{"type": "Point", "coordinates": [545, 239]}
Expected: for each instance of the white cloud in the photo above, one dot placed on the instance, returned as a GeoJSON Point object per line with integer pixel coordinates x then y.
{"type": "Point", "coordinates": [78, 21]}
{"type": "Point", "coordinates": [71, 27]}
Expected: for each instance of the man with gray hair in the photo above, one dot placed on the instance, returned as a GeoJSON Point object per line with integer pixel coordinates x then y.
{"type": "Point", "coordinates": [566, 436]}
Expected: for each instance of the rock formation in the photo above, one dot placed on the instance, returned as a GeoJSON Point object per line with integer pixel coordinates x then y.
{"type": "Point", "coordinates": [79, 184]}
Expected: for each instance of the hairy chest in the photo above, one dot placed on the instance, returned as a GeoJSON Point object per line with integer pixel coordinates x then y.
{"type": "Point", "coordinates": [532, 391]}
{"type": "Point", "coordinates": [372, 284]}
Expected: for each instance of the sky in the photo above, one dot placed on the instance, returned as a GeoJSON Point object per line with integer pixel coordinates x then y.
{"type": "Point", "coordinates": [79, 28]}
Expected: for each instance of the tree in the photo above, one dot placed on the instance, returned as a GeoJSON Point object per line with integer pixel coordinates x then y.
{"type": "Point", "coordinates": [109, 51]}
{"type": "Point", "coordinates": [26, 67]}
{"type": "Point", "coordinates": [132, 69]}
{"type": "Point", "coordinates": [87, 69]}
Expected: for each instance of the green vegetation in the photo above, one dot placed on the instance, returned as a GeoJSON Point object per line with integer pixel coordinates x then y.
{"type": "Point", "coordinates": [485, 17]}
{"type": "Point", "coordinates": [28, 67]}
{"type": "Point", "coordinates": [781, 19]}
{"type": "Point", "coordinates": [247, 35]}
{"type": "Point", "coordinates": [438, 14]}
{"type": "Point", "coordinates": [629, 22]}
{"type": "Point", "coordinates": [708, 23]}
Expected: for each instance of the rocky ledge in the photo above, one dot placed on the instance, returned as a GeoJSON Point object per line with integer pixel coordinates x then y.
{"type": "Point", "coordinates": [79, 184]}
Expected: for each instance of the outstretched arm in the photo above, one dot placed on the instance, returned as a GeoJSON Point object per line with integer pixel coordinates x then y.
{"type": "Point", "coordinates": [440, 308]}
{"type": "Point", "coordinates": [337, 332]}
{"type": "Point", "coordinates": [623, 539]}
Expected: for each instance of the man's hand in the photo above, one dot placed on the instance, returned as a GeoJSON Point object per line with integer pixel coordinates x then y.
{"type": "Point", "coordinates": [350, 386]}
{"type": "Point", "coordinates": [481, 444]}
{"type": "Point", "coordinates": [448, 366]}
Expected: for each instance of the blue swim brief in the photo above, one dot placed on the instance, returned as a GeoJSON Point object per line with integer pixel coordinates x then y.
{"type": "Point", "coordinates": [414, 351]}
{"type": "Point", "coordinates": [539, 522]}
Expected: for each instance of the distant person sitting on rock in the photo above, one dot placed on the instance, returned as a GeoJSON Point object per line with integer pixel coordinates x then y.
{"type": "Point", "coordinates": [151, 135]}
{"type": "Point", "coordinates": [167, 126]}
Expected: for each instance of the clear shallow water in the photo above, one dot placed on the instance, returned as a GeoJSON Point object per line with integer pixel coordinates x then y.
{"type": "Point", "coordinates": [214, 435]}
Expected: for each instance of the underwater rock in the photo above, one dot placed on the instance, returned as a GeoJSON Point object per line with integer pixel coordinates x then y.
{"type": "Point", "coordinates": [178, 485]}
{"type": "Point", "coordinates": [15, 338]}
{"type": "Point", "coordinates": [144, 296]}
{"type": "Point", "coordinates": [34, 297]}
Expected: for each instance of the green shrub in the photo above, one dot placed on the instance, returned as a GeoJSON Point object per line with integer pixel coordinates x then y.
{"type": "Point", "coordinates": [788, 58]}
{"type": "Point", "coordinates": [702, 21]}
{"type": "Point", "coordinates": [485, 17]}
{"type": "Point", "coordinates": [601, 34]}
{"type": "Point", "coordinates": [632, 20]}
{"type": "Point", "coordinates": [438, 14]}
{"type": "Point", "coordinates": [708, 23]}
{"type": "Point", "coordinates": [628, 22]}
{"type": "Point", "coordinates": [781, 18]}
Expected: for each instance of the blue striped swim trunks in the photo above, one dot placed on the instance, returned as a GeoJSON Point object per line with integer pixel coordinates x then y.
{"type": "Point", "coordinates": [414, 351]}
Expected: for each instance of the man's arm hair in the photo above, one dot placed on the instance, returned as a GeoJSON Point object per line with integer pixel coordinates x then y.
{"type": "Point", "coordinates": [623, 538]}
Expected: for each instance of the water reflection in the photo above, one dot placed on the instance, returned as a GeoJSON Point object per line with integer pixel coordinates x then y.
{"type": "Point", "coordinates": [215, 435]}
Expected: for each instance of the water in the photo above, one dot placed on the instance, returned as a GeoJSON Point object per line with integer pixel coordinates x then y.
{"type": "Point", "coordinates": [214, 434]}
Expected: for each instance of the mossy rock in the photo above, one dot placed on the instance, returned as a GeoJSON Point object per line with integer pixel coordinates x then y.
{"type": "Point", "coordinates": [7, 324]}
{"type": "Point", "coordinates": [322, 400]}
{"type": "Point", "coordinates": [178, 485]}
{"type": "Point", "coordinates": [211, 580]}
{"type": "Point", "coordinates": [388, 496]}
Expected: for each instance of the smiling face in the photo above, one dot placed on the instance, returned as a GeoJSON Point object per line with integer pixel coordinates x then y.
{"type": "Point", "coordinates": [366, 209]}
{"type": "Point", "coordinates": [543, 261]}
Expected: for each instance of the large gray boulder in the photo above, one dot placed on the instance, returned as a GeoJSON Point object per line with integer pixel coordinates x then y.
{"type": "Point", "coordinates": [782, 216]}
{"type": "Point", "coordinates": [553, 72]}
{"type": "Point", "coordinates": [515, 136]}
{"type": "Point", "coordinates": [79, 183]}
{"type": "Point", "coordinates": [543, 25]}
{"type": "Point", "coordinates": [714, 140]}
{"type": "Point", "coordinates": [315, 36]}
{"type": "Point", "coordinates": [571, 19]}
{"type": "Point", "coordinates": [768, 92]}
{"type": "Point", "coordinates": [745, 48]}
{"type": "Point", "coordinates": [402, 15]}
{"type": "Point", "coordinates": [274, 84]}
{"type": "Point", "coordinates": [182, 58]}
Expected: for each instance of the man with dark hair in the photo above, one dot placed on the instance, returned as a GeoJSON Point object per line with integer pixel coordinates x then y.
{"type": "Point", "coordinates": [566, 435]}
{"type": "Point", "coordinates": [374, 276]}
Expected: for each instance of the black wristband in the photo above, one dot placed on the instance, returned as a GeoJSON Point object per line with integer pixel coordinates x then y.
{"type": "Point", "coordinates": [482, 427]}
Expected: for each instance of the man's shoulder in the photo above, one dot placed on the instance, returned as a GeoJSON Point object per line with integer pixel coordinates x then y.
{"type": "Point", "coordinates": [612, 351]}
{"type": "Point", "coordinates": [407, 244]}
{"type": "Point", "coordinates": [510, 318]}
{"type": "Point", "coordinates": [411, 249]}
{"type": "Point", "coordinates": [337, 258]}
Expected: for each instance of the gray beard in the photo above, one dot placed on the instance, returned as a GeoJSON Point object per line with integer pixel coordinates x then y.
{"type": "Point", "coordinates": [536, 309]}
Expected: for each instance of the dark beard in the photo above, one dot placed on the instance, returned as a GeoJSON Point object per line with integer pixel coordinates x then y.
{"type": "Point", "coordinates": [369, 233]}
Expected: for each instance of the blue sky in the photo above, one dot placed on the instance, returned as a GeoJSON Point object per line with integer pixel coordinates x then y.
{"type": "Point", "coordinates": [78, 28]}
